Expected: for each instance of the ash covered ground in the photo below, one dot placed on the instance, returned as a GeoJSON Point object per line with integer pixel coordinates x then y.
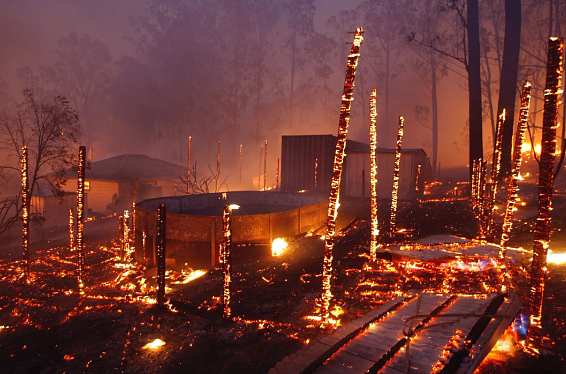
{"type": "Point", "coordinates": [47, 327]}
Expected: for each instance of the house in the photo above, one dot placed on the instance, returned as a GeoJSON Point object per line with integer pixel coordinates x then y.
{"type": "Point", "coordinates": [113, 184]}
{"type": "Point", "coordinates": [298, 155]}
{"type": "Point", "coordinates": [54, 208]}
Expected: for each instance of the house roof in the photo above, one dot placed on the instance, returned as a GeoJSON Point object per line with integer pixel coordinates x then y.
{"type": "Point", "coordinates": [128, 166]}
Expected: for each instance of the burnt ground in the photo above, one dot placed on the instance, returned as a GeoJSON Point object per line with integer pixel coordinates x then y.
{"type": "Point", "coordinates": [47, 327]}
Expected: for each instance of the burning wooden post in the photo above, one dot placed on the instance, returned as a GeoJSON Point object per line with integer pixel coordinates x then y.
{"type": "Point", "coordinates": [259, 173]}
{"type": "Point", "coordinates": [277, 176]}
{"type": "Point", "coordinates": [126, 235]}
{"type": "Point", "coordinates": [546, 180]}
{"type": "Point", "coordinates": [218, 166]}
{"type": "Point", "coordinates": [71, 230]}
{"type": "Point", "coordinates": [226, 257]}
{"type": "Point", "coordinates": [478, 190]}
{"type": "Point", "coordinates": [80, 215]}
{"type": "Point", "coordinates": [265, 166]}
{"type": "Point", "coordinates": [240, 173]}
{"type": "Point", "coordinates": [133, 231]}
{"type": "Point", "coordinates": [373, 173]}
{"type": "Point", "coordinates": [515, 169]}
{"type": "Point", "coordinates": [418, 183]}
{"type": "Point", "coordinates": [161, 231]}
{"type": "Point", "coordinates": [347, 99]}
{"type": "Point", "coordinates": [121, 233]}
{"type": "Point", "coordinates": [315, 173]}
{"type": "Point", "coordinates": [396, 169]}
{"type": "Point", "coordinates": [495, 168]}
{"type": "Point", "coordinates": [25, 211]}
{"type": "Point", "coordinates": [189, 168]}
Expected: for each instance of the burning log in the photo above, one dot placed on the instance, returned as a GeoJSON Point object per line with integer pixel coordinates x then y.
{"type": "Point", "coordinates": [495, 168]}
{"type": "Point", "coordinates": [71, 230]}
{"type": "Point", "coordinates": [315, 172]}
{"type": "Point", "coordinates": [265, 166]}
{"type": "Point", "coordinates": [218, 166]}
{"type": "Point", "coordinates": [418, 183]}
{"type": "Point", "coordinates": [80, 215]}
{"type": "Point", "coordinates": [373, 172]}
{"type": "Point", "coordinates": [515, 169]}
{"type": "Point", "coordinates": [395, 192]}
{"type": "Point", "coordinates": [189, 169]}
{"type": "Point", "coordinates": [160, 242]}
{"type": "Point", "coordinates": [347, 99]}
{"type": "Point", "coordinates": [226, 257]}
{"type": "Point", "coordinates": [546, 180]}
{"type": "Point", "coordinates": [25, 211]}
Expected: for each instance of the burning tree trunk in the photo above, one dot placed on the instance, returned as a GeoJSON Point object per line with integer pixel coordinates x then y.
{"type": "Point", "coordinates": [161, 231]}
{"type": "Point", "coordinates": [515, 168]}
{"type": "Point", "coordinates": [546, 181]}
{"type": "Point", "coordinates": [218, 166]}
{"type": "Point", "coordinates": [265, 166]}
{"type": "Point", "coordinates": [495, 167]}
{"type": "Point", "coordinates": [373, 172]}
{"type": "Point", "coordinates": [121, 232]}
{"type": "Point", "coordinates": [347, 99]}
{"type": "Point", "coordinates": [315, 173]}
{"type": "Point", "coordinates": [25, 211]}
{"type": "Point", "coordinates": [189, 168]}
{"type": "Point", "coordinates": [395, 192]}
{"type": "Point", "coordinates": [126, 235]}
{"type": "Point", "coordinates": [277, 176]}
{"type": "Point", "coordinates": [226, 258]}
{"type": "Point", "coordinates": [418, 183]}
{"type": "Point", "coordinates": [133, 231]}
{"type": "Point", "coordinates": [80, 214]}
{"type": "Point", "coordinates": [478, 191]}
{"type": "Point", "coordinates": [71, 230]}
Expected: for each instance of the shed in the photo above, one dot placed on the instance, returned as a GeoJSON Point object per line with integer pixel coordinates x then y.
{"type": "Point", "coordinates": [54, 208]}
{"type": "Point", "coordinates": [113, 184]}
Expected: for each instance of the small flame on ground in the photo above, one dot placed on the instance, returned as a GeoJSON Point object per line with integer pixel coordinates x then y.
{"type": "Point", "coordinates": [154, 344]}
{"type": "Point", "coordinates": [278, 247]}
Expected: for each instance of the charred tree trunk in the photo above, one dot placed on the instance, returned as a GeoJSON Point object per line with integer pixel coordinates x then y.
{"type": "Point", "coordinates": [25, 212]}
{"type": "Point", "coordinates": [546, 181]}
{"type": "Point", "coordinates": [474, 83]}
{"type": "Point", "coordinates": [373, 173]}
{"type": "Point", "coordinates": [347, 99]}
{"type": "Point", "coordinates": [508, 80]}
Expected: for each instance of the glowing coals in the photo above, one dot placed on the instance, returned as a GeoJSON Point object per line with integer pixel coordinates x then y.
{"type": "Point", "coordinates": [233, 206]}
{"type": "Point", "coordinates": [154, 344]}
{"type": "Point", "coordinates": [278, 247]}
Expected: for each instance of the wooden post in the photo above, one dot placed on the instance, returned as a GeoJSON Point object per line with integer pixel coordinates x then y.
{"type": "Point", "coordinates": [373, 173]}
{"type": "Point", "coordinates": [71, 230]}
{"type": "Point", "coordinates": [265, 166]}
{"type": "Point", "coordinates": [227, 259]}
{"type": "Point", "coordinates": [218, 167]}
{"type": "Point", "coordinates": [25, 211]}
{"type": "Point", "coordinates": [122, 239]}
{"type": "Point", "coordinates": [189, 168]}
{"type": "Point", "coordinates": [396, 169]}
{"type": "Point", "coordinates": [80, 215]}
{"type": "Point", "coordinates": [495, 167]}
{"type": "Point", "coordinates": [347, 99]}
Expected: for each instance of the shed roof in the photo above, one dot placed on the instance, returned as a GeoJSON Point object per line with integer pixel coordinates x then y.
{"type": "Point", "coordinates": [128, 166]}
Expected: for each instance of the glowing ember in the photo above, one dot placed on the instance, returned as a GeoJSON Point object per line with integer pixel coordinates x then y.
{"type": "Point", "coordinates": [395, 191]}
{"type": "Point", "coordinates": [347, 99]}
{"type": "Point", "coordinates": [278, 247]}
{"type": "Point", "coordinates": [191, 277]}
{"type": "Point", "coordinates": [156, 344]}
{"type": "Point", "coordinates": [373, 173]}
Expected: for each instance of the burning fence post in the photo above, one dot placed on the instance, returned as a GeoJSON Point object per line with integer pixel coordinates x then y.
{"type": "Point", "coordinates": [25, 211]}
{"type": "Point", "coordinates": [418, 183]}
{"type": "Point", "coordinates": [259, 173]}
{"type": "Point", "coordinates": [552, 92]}
{"type": "Point", "coordinates": [373, 172]}
{"type": "Point", "coordinates": [80, 215]}
{"type": "Point", "coordinates": [226, 258]}
{"type": "Point", "coordinates": [126, 235]}
{"type": "Point", "coordinates": [347, 99]}
{"type": "Point", "coordinates": [495, 167]}
{"type": "Point", "coordinates": [161, 231]}
{"type": "Point", "coordinates": [189, 169]}
{"type": "Point", "coordinates": [515, 168]}
{"type": "Point", "coordinates": [315, 173]}
{"type": "Point", "coordinates": [265, 166]}
{"type": "Point", "coordinates": [71, 230]}
{"type": "Point", "coordinates": [218, 166]}
{"type": "Point", "coordinates": [395, 192]}
{"type": "Point", "coordinates": [133, 231]}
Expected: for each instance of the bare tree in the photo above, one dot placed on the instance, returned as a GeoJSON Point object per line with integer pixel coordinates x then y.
{"type": "Point", "coordinates": [50, 129]}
